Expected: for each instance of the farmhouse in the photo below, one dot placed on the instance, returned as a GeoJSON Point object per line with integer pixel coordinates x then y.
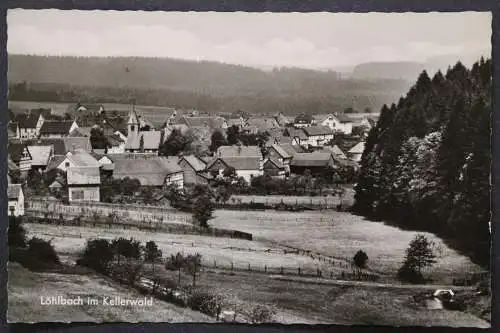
{"type": "Point", "coordinates": [316, 162]}
{"type": "Point", "coordinates": [192, 166]}
{"type": "Point", "coordinates": [318, 136]}
{"type": "Point", "coordinates": [76, 158]}
{"type": "Point", "coordinates": [338, 123]}
{"type": "Point", "coordinates": [257, 125]}
{"type": "Point", "coordinates": [57, 128]}
{"type": "Point", "coordinates": [83, 184]}
{"type": "Point", "coordinates": [40, 156]}
{"type": "Point", "coordinates": [20, 155]}
{"type": "Point", "coordinates": [150, 170]}
{"type": "Point", "coordinates": [247, 161]}
{"type": "Point", "coordinates": [16, 200]}
{"type": "Point", "coordinates": [298, 136]}
{"type": "Point", "coordinates": [275, 168]}
{"type": "Point", "coordinates": [356, 152]}
{"type": "Point", "coordinates": [277, 153]}
{"type": "Point", "coordinates": [29, 125]}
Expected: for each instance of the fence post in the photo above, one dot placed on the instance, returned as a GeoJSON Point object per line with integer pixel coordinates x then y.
{"type": "Point", "coordinates": [299, 270]}
{"type": "Point", "coordinates": [281, 270]}
{"type": "Point", "coordinates": [265, 268]}
{"type": "Point", "coordinates": [232, 266]}
{"type": "Point", "coordinates": [249, 267]}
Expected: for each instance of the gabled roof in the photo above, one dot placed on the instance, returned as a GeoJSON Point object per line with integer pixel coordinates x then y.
{"type": "Point", "coordinates": [196, 163]}
{"type": "Point", "coordinates": [14, 191]}
{"type": "Point", "coordinates": [56, 127]}
{"type": "Point", "coordinates": [16, 151]}
{"type": "Point", "coordinates": [211, 122]}
{"type": "Point", "coordinates": [150, 171]}
{"type": "Point", "coordinates": [115, 140]}
{"type": "Point", "coordinates": [343, 118]}
{"type": "Point", "coordinates": [239, 151]}
{"type": "Point", "coordinates": [81, 131]}
{"type": "Point", "coordinates": [239, 162]}
{"type": "Point", "coordinates": [65, 144]}
{"type": "Point", "coordinates": [269, 162]}
{"type": "Point", "coordinates": [291, 149]}
{"type": "Point", "coordinates": [26, 121]}
{"type": "Point", "coordinates": [318, 130]}
{"type": "Point", "coordinates": [83, 176]}
{"type": "Point", "coordinates": [311, 159]}
{"type": "Point", "coordinates": [296, 132]}
{"type": "Point", "coordinates": [335, 150]}
{"type": "Point", "coordinates": [40, 155]}
{"type": "Point", "coordinates": [358, 148]}
{"type": "Point", "coordinates": [82, 158]}
{"type": "Point", "coordinates": [282, 152]}
{"type": "Point", "coordinates": [262, 124]}
{"type": "Point", "coordinates": [55, 161]}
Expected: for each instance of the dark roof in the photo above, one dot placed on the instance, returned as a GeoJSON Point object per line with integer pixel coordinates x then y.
{"type": "Point", "coordinates": [16, 151]}
{"type": "Point", "coordinates": [291, 149]}
{"type": "Point", "coordinates": [65, 144]}
{"type": "Point", "coordinates": [54, 161]}
{"type": "Point", "coordinates": [318, 130]}
{"type": "Point", "coordinates": [296, 132]}
{"type": "Point", "coordinates": [13, 126]}
{"type": "Point", "coordinates": [271, 163]}
{"type": "Point", "coordinates": [150, 171]}
{"type": "Point", "coordinates": [196, 163]}
{"type": "Point", "coordinates": [343, 118]}
{"type": "Point", "coordinates": [26, 121]}
{"type": "Point", "coordinates": [56, 127]}
{"type": "Point", "coordinates": [281, 151]}
{"type": "Point", "coordinates": [240, 162]}
{"type": "Point", "coordinates": [311, 159]}
{"type": "Point", "coordinates": [239, 151]}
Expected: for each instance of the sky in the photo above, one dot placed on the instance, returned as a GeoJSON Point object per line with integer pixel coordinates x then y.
{"type": "Point", "coordinates": [310, 40]}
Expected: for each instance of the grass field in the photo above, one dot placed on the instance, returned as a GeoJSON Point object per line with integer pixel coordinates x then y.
{"type": "Point", "coordinates": [70, 240]}
{"type": "Point", "coordinates": [342, 234]}
{"type": "Point", "coordinates": [25, 289]}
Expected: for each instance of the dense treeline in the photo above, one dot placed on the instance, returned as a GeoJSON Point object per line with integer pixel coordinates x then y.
{"type": "Point", "coordinates": [208, 86]}
{"type": "Point", "coordinates": [426, 164]}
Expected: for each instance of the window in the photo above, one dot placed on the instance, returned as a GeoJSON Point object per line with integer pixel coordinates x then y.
{"type": "Point", "coordinates": [66, 165]}
{"type": "Point", "coordinates": [77, 194]}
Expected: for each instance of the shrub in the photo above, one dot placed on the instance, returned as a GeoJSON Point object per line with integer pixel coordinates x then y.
{"type": "Point", "coordinates": [151, 252]}
{"type": "Point", "coordinates": [409, 274]}
{"type": "Point", "coordinates": [205, 302]}
{"type": "Point", "coordinates": [42, 250]}
{"type": "Point", "coordinates": [360, 259]}
{"type": "Point", "coordinates": [261, 314]}
{"type": "Point", "coordinates": [128, 248]}
{"type": "Point", "coordinates": [16, 232]}
{"type": "Point", "coordinates": [98, 254]}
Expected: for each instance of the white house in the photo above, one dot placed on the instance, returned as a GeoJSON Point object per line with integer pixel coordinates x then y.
{"type": "Point", "coordinates": [338, 123]}
{"type": "Point", "coordinates": [318, 136]}
{"type": "Point", "coordinates": [16, 200]}
{"type": "Point", "coordinates": [77, 158]}
{"type": "Point", "coordinates": [83, 184]}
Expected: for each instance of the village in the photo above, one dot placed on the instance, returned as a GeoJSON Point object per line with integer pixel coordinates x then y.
{"type": "Point", "coordinates": [60, 147]}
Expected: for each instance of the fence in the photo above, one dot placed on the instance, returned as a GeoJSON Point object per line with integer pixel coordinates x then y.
{"type": "Point", "coordinates": [325, 202]}
{"type": "Point", "coordinates": [55, 209]}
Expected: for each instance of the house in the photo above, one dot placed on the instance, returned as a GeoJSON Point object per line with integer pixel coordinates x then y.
{"type": "Point", "coordinates": [116, 144]}
{"type": "Point", "coordinates": [291, 149]}
{"type": "Point", "coordinates": [238, 122]}
{"type": "Point", "coordinates": [57, 128]}
{"type": "Point", "coordinates": [13, 130]}
{"type": "Point", "coordinates": [275, 168]}
{"type": "Point", "coordinates": [64, 145]}
{"type": "Point", "coordinates": [40, 156]}
{"type": "Point", "coordinates": [20, 155]}
{"type": "Point", "coordinates": [29, 125]}
{"type": "Point", "coordinates": [318, 136]}
{"type": "Point", "coordinates": [316, 162]}
{"type": "Point", "coordinates": [83, 183]}
{"type": "Point", "coordinates": [276, 153]}
{"type": "Point", "coordinates": [141, 141]}
{"type": "Point", "coordinates": [77, 158]}
{"type": "Point", "coordinates": [247, 161]}
{"type": "Point", "coordinates": [260, 125]}
{"type": "Point", "coordinates": [303, 120]}
{"type": "Point", "coordinates": [192, 166]}
{"type": "Point", "coordinates": [16, 200]}
{"type": "Point", "coordinates": [298, 136]}
{"type": "Point", "coordinates": [283, 120]}
{"type": "Point", "coordinates": [337, 123]}
{"type": "Point", "coordinates": [335, 150]}
{"type": "Point", "coordinates": [149, 169]}
{"type": "Point", "coordinates": [356, 152]}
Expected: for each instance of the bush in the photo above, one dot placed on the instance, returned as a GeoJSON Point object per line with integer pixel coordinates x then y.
{"type": "Point", "coordinates": [16, 232]}
{"type": "Point", "coordinates": [360, 259]}
{"type": "Point", "coordinates": [261, 314]}
{"type": "Point", "coordinates": [128, 248]}
{"type": "Point", "coordinates": [42, 250]}
{"type": "Point", "coordinates": [205, 302]}
{"type": "Point", "coordinates": [409, 274]}
{"type": "Point", "coordinates": [97, 255]}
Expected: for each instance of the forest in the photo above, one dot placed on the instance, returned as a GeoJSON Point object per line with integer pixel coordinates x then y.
{"type": "Point", "coordinates": [426, 163]}
{"type": "Point", "coordinates": [208, 86]}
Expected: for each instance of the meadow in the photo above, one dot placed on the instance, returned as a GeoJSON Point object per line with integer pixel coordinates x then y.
{"type": "Point", "coordinates": [221, 252]}
{"type": "Point", "coordinates": [25, 289]}
{"type": "Point", "coordinates": [341, 234]}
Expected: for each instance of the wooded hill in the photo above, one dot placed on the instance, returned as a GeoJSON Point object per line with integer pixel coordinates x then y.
{"type": "Point", "coordinates": [208, 86]}
{"type": "Point", "coordinates": [426, 164]}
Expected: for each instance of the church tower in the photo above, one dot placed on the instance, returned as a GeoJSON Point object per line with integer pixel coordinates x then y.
{"type": "Point", "coordinates": [133, 121]}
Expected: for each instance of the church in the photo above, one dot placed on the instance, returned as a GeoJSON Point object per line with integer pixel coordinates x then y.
{"type": "Point", "coordinates": [141, 136]}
